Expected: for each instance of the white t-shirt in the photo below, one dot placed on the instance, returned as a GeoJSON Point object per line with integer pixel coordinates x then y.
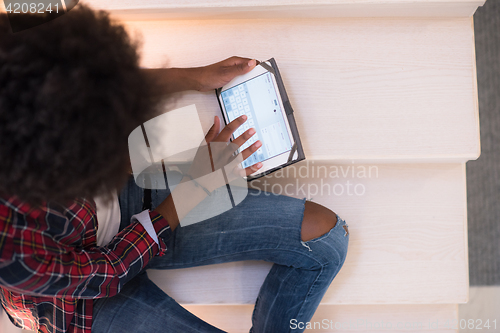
{"type": "Point", "coordinates": [108, 219]}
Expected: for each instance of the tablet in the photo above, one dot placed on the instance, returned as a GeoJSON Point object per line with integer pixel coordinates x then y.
{"type": "Point", "coordinates": [260, 95]}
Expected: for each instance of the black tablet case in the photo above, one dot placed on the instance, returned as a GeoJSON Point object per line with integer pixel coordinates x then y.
{"type": "Point", "coordinates": [297, 147]}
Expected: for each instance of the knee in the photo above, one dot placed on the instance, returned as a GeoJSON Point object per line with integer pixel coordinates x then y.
{"type": "Point", "coordinates": [317, 221]}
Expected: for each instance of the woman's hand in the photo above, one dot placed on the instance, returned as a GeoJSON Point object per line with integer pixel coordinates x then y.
{"type": "Point", "coordinates": [218, 153]}
{"type": "Point", "coordinates": [213, 135]}
{"type": "Point", "coordinates": [219, 74]}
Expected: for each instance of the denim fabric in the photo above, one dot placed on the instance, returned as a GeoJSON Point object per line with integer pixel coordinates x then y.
{"type": "Point", "coordinates": [262, 227]}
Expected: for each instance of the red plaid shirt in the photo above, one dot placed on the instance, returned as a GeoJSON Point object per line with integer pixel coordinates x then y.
{"type": "Point", "coordinates": [51, 268]}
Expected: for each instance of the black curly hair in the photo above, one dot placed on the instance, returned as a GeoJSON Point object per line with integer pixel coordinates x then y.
{"type": "Point", "coordinates": [71, 91]}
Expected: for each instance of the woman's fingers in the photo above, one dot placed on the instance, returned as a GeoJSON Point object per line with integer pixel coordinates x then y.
{"type": "Point", "coordinates": [226, 134]}
{"type": "Point", "coordinates": [250, 150]}
{"type": "Point", "coordinates": [239, 172]}
{"type": "Point", "coordinates": [253, 168]}
{"type": "Point", "coordinates": [240, 141]}
{"type": "Point", "coordinates": [227, 131]}
{"type": "Point", "coordinates": [213, 131]}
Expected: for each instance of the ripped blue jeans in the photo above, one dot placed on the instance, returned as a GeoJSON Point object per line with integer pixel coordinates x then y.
{"type": "Point", "coordinates": [262, 227]}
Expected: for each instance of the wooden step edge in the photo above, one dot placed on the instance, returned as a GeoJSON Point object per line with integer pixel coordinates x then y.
{"type": "Point", "coordinates": [396, 159]}
{"type": "Point", "coordinates": [239, 9]}
{"type": "Point", "coordinates": [475, 89]}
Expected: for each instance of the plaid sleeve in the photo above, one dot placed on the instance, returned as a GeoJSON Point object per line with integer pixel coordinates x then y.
{"type": "Point", "coordinates": [33, 261]}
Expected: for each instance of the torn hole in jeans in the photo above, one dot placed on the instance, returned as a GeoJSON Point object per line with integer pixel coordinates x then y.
{"type": "Point", "coordinates": [346, 230]}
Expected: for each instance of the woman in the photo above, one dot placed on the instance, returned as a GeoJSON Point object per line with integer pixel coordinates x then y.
{"type": "Point", "coordinates": [71, 91]}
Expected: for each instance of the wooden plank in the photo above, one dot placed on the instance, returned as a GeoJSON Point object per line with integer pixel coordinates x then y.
{"type": "Point", "coordinates": [345, 318]}
{"type": "Point", "coordinates": [241, 9]}
{"type": "Point", "coordinates": [366, 89]}
{"type": "Point", "coordinates": [408, 240]}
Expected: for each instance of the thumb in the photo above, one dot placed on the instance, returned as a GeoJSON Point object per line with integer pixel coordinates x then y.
{"type": "Point", "coordinates": [246, 66]}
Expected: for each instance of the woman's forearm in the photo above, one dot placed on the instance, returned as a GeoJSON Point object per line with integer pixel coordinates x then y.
{"type": "Point", "coordinates": [181, 201]}
{"type": "Point", "coordinates": [172, 80]}
{"type": "Point", "coordinates": [205, 78]}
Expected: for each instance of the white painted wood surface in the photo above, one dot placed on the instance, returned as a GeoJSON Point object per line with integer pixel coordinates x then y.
{"type": "Point", "coordinates": [408, 240]}
{"type": "Point", "coordinates": [345, 318]}
{"type": "Point", "coordinates": [221, 9]}
{"type": "Point", "coordinates": [363, 89]}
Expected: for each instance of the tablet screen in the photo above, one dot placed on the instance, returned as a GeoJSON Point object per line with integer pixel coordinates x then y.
{"type": "Point", "coordinates": [257, 99]}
